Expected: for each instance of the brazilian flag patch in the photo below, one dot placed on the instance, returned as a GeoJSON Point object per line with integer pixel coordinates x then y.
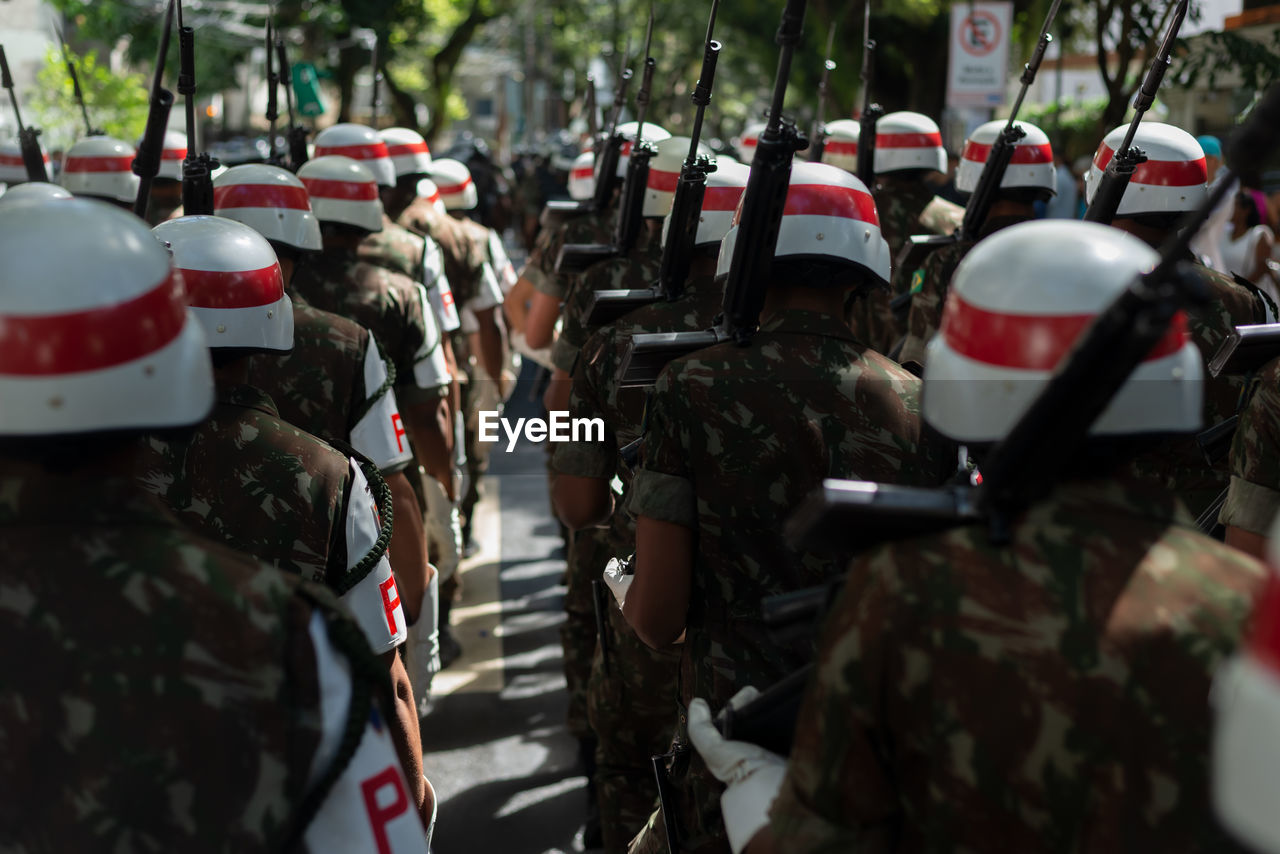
{"type": "Point", "coordinates": [917, 281]}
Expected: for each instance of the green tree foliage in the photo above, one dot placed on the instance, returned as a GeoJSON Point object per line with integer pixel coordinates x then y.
{"type": "Point", "coordinates": [117, 103]}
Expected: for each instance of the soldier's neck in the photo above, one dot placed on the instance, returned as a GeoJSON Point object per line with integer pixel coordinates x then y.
{"type": "Point", "coordinates": [829, 301]}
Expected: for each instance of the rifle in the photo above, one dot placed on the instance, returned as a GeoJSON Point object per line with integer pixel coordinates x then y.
{"type": "Point", "coordinates": [576, 257]}
{"type": "Point", "coordinates": [273, 104]}
{"type": "Point", "coordinates": [28, 137]}
{"type": "Point", "coordinates": [763, 202]}
{"type": "Point", "coordinates": [984, 194]}
{"type": "Point", "coordinates": [1246, 350]}
{"type": "Point", "coordinates": [589, 107]}
{"type": "Point", "coordinates": [146, 164]}
{"type": "Point", "coordinates": [1119, 171]}
{"type": "Point", "coordinates": [677, 254]}
{"type": "Point", "coordinates": [818, 135]}
{"type": "Point", "coordinates": [89, 129]}
{"type": "Point", "coordinates": [197, 181]}
{"type": "Point", "coordinates": [297, 134]}
{"type": "Point", "coordinates": [871, 112]}
{"type": "Point", "coordinates": [375, 99]}
{"type": "Point", "coordinates": [1026, 463]}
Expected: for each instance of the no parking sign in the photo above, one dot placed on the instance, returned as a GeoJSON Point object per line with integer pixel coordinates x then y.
{"type": "Point", "coordinates": [978, 60]}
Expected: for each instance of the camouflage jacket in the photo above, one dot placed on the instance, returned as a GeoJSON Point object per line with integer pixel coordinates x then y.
{"type": "Point", "coordinates": [335, 385]}
{"type": "Point", "coordinates": [1253, 501]}
{"type": "Point", "coordinates": [465, 249]}
{"type": "Point", "coordinates": [540, 269]}
{"type": "Point", "coordinates": [160, 689]}
{"type": "Point", "coordinates": [639, 269]}
{"type": "Point", "coordinates": [390, 305]}
{"type": "Point", "coordinates": [396, 248]}
{"type": "Point", "coordinates": [596, 392]}
{"type": "Point", "coordinates": [246, 478]}
{"type": "Point", "coordinates": [735, 437]}
{"type": "Point", "coordinates": [1178, 464]}
{"type": "Point", "coordinates": [1050, 695]}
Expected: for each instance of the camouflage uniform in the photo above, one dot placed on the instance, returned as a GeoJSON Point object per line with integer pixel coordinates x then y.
{"type": "Point", "coordinates": [631, 706]}
{"type": "Point", "coordinates": [540, 269]}
{"type": "Point", "coordinates": [1178, 464]}
{"type": "Point", "coordinates": [1253, 501]}
{"type": "Point", "coordinates": [735, 438]}
{"type": "Point", "coordinates": [1047, 695]}
{"type": "Point", "coordinates": [392, 306]}
{"type": "Point", "coordinates": [335, 385]}
{"type": "Point", "coordinates": [928, 286]}
{"type": "Point", "coordinates": [900, 206]}
{"type": "Point", "coordinates": [160, 689]}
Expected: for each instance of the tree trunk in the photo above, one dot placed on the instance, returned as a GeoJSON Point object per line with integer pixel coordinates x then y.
{"type": "Point", "coordinates": [446, 61]}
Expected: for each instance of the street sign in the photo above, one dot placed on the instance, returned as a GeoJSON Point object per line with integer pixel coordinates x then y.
{"type": "Point", "coordinates": [978, 58]}
{"type": "Point", "coordinates": [306, 89]}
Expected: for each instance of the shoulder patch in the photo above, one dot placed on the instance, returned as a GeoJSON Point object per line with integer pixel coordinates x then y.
{"type": "Point", "coordinates": [917, 281]}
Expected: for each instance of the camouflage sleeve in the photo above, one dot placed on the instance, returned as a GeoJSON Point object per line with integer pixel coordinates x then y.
{"type": "Point", "coordinates": [927, 289]}
{"type": "Point", "coordinates": [1253, 499]}
{"type": "Point", "coordinates": [541, 269]}
{"type": "Point", "coordinates": [589, 459]}
{"type": "Point", "coordinates": [663, 486]}
{"type": "Point", "coordinates": [839, 794]}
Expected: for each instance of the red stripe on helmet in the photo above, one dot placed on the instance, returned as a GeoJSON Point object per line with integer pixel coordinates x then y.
{"type": "Point", "coordinates": [841, 146]}
{"type": "Point", "coordinates": [584, 173]}
{"type": "Point", "coordinates": [1160, 173]}
{"type": "Point", "coordinates": [286, 196]}
{"type": "Point", "coordinates": [99, 164]}
{"type": "Point", "coordinates": [364, 151]}
{"type": "Point", "coordinates": [662, 182]}
{"type": "Point", "coordinates": [403, 148]}
{"type": "Point", "coordinates": [909, 140]}
{"type": "Point", "coordinates": [350, 191]}
{"type": "Point", "coordinates": [234, 288]}
{"type": "Point", "coordinates": [453, 189]}
{"type": "Point", "coordinates": [16, 160]}
{"type": "Point", "coordinates": [1023, 154]}
{"type": "Point", "coordinates": [750, 141]}
{"type": "Point", "coordinates": [831, 200]}
{"type": "Point", "coordinates": [722, 198]}
{"type": "Point", "coordinates": [1028, 341]}
{"type": "Point", "coordinates": [174, 154]}
{"type": "Point", "coordinates": [93, 339]}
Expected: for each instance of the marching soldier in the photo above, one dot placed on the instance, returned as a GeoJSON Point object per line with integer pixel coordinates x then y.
{"type": "Point", "coordinates": [734, 437]}
{"type": "Point", "coordinates": [1050, 693]}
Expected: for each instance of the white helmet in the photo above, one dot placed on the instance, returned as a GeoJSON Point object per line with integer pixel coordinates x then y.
{"type": "Point", "coordinates": [101, 167]}
{"type": "Point", "coordinates": [907, 140]}
{"type": "Point", "coordinates": [1030, 168]}
{"type": "Point", "coordinates": [652, 133]}
{"type": "Point", "coordinates": [359, 143]}
{"type": "Point", "coordinates": [408, 151]}
{"type": "Point", "coordinates": [428, 190]}
{"type": "Point", "coordinates": [172, 155]}
{"type": "Point", "coordinates": [453, 181]}
{"type": "Point", "coordinates": [271, 201]}
{"type": "Point", "coordinates": [1246, 700]}
{"type": "Point", "coordinates": [746, 144]}
{"type": "Point", "coordinates": [1017, 304]}
{"type": "Point", "coordinates": [829, 214]}
{"type": "Point", "coordinates": [106, 342]}
{"type": "Point", "coordinates": [233, 282]}
{"type": "Point", "coordinates": [34, 191]}
{"type": "Point", "coordinates": [342, 190]}
{"type": "Point", "coordinates": [1173, 180]}
{"type": "Point", "coordinates": [664, 174]}
{"type": "Point", "coordinates": [13, 169]}
{"type": "Point", "coordinates": [582, 177]}
{"type": "Point", "coordinates": [841, 146]}
{"type": "Point", "coordinates": [719, 202]}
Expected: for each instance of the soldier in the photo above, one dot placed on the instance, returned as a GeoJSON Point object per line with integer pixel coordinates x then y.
{"type": "Point", "coordinates": [1253, 496]}
{"type": "Point", "coordinates": [166, 187]}
{"type": "Point", "coordinates": [100, 167]}
{"type": "Point", "coordinates": [908, 151]}
{"type": "Point", "coordinates": [13, 169]}
{"type": "Point", "coordinates": [1044, 694]}
{"type": "Point", "coordinates": [334, 383]}
{"type": "Point", "coordinates": [250, 479]}
{"type": "Point", "coordinates": [1030, 177]}
{"type": "Point", "coordinates": [735, 437]}
{"type": "Point", "coordinates": [629, 702]}
{"type": "Point", "coordinates": [184, 668]}
{"type": "Point", "coordinates": [1170, 183]}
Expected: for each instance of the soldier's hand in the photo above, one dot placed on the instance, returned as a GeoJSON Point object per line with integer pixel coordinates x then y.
{"type": "Point", "coordinates": [753, 775]}
{"type": "Point", "coordinates": [618, 580]}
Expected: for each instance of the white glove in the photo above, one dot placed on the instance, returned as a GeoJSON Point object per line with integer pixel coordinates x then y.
{"type": "Point", "coordinates": [753, 775]}
{"type": "Point", "coordinates": [422, 649]}
{"type": "Point", "coordinates": [618, 581]}
{"type": "Point", "coordinates": [542, 355]}
{"type": "Point", "coordinates": [443, 528]}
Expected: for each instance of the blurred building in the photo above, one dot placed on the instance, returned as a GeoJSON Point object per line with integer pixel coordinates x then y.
{"type": "Point", "coordinates": [26, 31]}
